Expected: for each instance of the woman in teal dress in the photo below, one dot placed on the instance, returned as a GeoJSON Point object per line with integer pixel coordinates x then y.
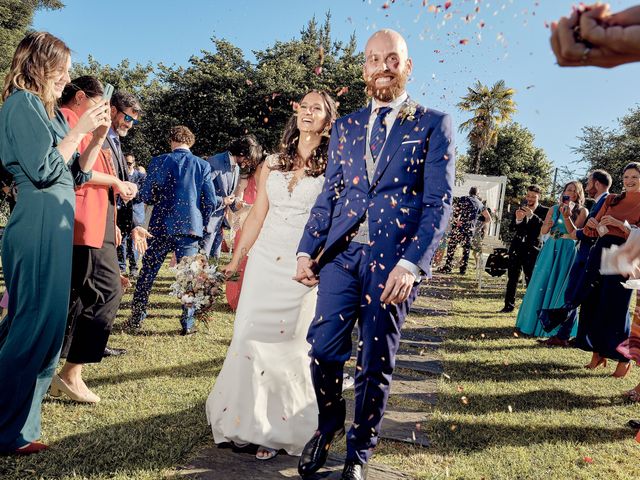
{"type": "Point", "coordinates": [37, 148]}
{"type": "Point", "coordinates": [547, 285]}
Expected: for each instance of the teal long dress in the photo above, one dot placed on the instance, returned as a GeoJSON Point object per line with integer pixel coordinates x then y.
{"type": "Point", "coordinates": [36, 260]}
{"type": "Point", "coordinates": [547, 285]}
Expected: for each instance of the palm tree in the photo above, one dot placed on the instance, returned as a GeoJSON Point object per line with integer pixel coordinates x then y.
{"type": "Point", "coordinates": [491, 107]}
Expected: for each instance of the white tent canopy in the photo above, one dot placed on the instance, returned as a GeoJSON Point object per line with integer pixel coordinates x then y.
{"type": "Point", "coordinates": [491, 189]}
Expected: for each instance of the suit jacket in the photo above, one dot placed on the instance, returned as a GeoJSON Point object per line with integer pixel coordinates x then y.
{"type": "Point", "coordinates": [224, 176]}
{"type": "Point", "coordinates": [92, 201]}
{"type": "Point", "coordinates": [179, 186]}
{"type": "Point", "coordinates": [526, 240]}
{"type": "Point", "coordinates": [125, 210]}
{"type": "Point", "coordinates": [407, 203]}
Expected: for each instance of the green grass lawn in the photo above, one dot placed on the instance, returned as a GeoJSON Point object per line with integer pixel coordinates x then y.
{"type": "Point", "coordinates": [529, 412]}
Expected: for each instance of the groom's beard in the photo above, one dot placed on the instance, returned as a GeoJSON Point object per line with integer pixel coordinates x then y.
{"type": "Point", "coordinates": [393, 90]}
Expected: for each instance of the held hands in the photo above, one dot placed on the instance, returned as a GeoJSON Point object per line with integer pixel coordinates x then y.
{"type": "Point", "coordinates": [592, 36]}
{"type": "Point", "coordinates": [592, 223]}
{"type": "Point", "coordinates": [229, 200]}
{"type": "Point", "coordinates": [398, 286]}
{"type": "Point", "coordinates": [305, 272]}
{"type": "Point", "coordinates": [97, 117]}
{"type": "Point", "coordinates": [608, 220]}
{"type": "Point", "coordinates": [139, 236]}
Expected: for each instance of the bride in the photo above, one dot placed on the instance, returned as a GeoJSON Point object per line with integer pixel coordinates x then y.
{"type": "Point", "coordinates": [263, 395]}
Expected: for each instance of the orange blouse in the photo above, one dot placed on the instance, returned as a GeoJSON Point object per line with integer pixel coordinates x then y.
{"type": "Point", "coordinates": [628, 209]}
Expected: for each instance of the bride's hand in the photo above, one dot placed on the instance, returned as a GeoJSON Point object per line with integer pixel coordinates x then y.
{"type": "Point", "coordinates": [230, 269]}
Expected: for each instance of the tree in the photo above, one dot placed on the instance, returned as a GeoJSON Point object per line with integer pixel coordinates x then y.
{"type": "Point", "coordinates": [611, 149]}
{"type": "Point", "coordinates": [491, 107]}
{"type": "Point", "coordinates": [515, 156]}
{"type": "Point", "coordinates": [15, 18]}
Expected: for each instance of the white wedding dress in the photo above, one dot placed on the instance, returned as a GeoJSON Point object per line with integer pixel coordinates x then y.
{"type": "Point", "coordinates": [263, 394]}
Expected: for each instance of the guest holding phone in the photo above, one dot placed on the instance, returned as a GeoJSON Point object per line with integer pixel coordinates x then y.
{"type": "Point", "coordinates": [39, 150]}
{"type": "Point", "coordinates": [525, 244]}
{"type": "Point", "coordinates": [546, 289]}
{"type": "Point", "coordinates": [95, 276]}
{"type": "Point", "coordinates": [604, 314]}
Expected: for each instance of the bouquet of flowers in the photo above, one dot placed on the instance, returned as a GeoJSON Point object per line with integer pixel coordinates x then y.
{"type": "Point", "coordinates": [197, 285]}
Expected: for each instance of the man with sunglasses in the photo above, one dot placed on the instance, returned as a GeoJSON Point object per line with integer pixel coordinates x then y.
{"type": "Point", "coordinates": [125, 112]}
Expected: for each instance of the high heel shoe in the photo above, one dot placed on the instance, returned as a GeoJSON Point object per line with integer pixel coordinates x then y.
{"type": "Point", "coordinates": [58, 387]}
{"type": "Point", "coordinates": [602, 361]}
{"type": "Point", "coordinates": [622, 375]}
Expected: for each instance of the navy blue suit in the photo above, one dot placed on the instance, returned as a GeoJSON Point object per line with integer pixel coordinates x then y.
{"type": "Point", "coordinates": [225, 178]}
{"type": "Point", "coordinates": [179, 187]}
{"type": "Point", "coordinates": [407, 205]}
{"type": "Point", "coordinates": [574, 293]}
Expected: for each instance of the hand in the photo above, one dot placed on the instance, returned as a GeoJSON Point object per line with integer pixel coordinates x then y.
{"type": "Point", "coordinates": [548, 223]}
{"type": "Point", "coordinates": [520, 214]}
{"type": "Point", "coordinates": [527, 211]}
{"type": "Point", "coordinates": [229, 200]}
{"type": "Point", "coordinates": [98, 115]}
{"type": "Point", "coordinates": [125, 282]}
{"type": "Point", "coordinates": [139, 236]}
{"type": "Point", "coordinates": [612, 45]}
{"type": "Point", "coordinates": [608, 220]}
{"type": "Point", "coordinates": [231, 268]}
{"type": "Point", "coordinates": [573, 235]}
{"type": "Point", "coordinates": [305, 272]}
{"type": "Point", "coordinates": [126, 190]}
{"type": "Point", "coordinates": [592, 223]}
{"type": "Point", "coordinates": [565, 210]}
{"type": "Point", "coordinates": [398, 286]}
{"type": "Point", "coordinates": [118, 237]}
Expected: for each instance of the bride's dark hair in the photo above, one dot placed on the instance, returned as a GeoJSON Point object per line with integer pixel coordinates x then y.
{"type": "Point", "coordinates": [288, 156]}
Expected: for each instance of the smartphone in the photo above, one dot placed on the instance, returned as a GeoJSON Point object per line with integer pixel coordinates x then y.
{"type": "Point", "coordinates": [566, 199]}
{"type": "Point", "coordinates": [524, 203]}
{"type": "Point", "coordinates": [108, 91]}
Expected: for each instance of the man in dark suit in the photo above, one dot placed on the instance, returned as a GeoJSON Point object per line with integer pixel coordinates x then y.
{"type": "Point", "coordinates": [226, 168]}
{"type": "Point", "coordinates": [598, 184]}
{"type": "Point", "coordinates": [466, 215]}
{"type": "Point", "coordinates": [179, 187]}
{"type": "Point", "coordinates": [371, 236]}
{"type": "Point", "coordinates": [525, 245]}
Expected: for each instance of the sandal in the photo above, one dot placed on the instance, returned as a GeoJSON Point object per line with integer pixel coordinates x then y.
{"type": "Point", "coordinates": [266, 453]}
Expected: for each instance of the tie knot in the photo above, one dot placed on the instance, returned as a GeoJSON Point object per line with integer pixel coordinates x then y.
{"type": "Point", "coordinates": [383, 111]}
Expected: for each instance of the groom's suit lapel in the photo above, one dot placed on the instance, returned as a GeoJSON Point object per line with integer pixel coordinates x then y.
{"type": "Point", "coordinates": [359, 128]}
{"type": "Point", "coordinates": [399, 132]}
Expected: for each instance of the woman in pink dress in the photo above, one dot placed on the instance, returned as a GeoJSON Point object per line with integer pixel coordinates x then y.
{"type": "Point", "coordinates": [245, 194]}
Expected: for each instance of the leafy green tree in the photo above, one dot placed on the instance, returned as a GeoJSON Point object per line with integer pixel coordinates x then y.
{"type": "Point", "coordinates": [15, 18]}
{"type": "Point", "coordinates": [611, 149]}
{"type": "Point", "coordinates": [491, 107]}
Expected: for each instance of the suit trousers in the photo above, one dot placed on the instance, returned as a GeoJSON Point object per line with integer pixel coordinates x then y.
{"type": "Point", "coordinates": [95, 297]}
{"type": "Point", "coordinates": [349, 293]}
{"type": "Point", "coordinates": [159, 247]}
{"type": "Point", "coordinates": [211, 242]}
{"type": "Point", "coordinates": [518, 262]}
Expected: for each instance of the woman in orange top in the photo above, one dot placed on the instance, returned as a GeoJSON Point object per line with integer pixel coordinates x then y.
{"type": "Point", "coordinates": [604, 315]}
{"type": "Point", "coordinates": [95, 280]}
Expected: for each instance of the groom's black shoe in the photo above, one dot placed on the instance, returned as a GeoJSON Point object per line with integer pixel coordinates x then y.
{"type": "Point", "coordinates": [354, 471]}
{"type": "Point", "coordinates": [315, 452]}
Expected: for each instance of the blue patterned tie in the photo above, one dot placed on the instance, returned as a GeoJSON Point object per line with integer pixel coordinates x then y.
{"type": "Point", "coordinates": [378, 133]}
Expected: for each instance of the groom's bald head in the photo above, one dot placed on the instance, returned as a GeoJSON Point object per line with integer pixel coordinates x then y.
{"type": "Point", "coordinates": [390, 39]}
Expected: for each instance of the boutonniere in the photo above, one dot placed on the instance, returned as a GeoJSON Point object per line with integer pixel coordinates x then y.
{"type": "Point", "coordinates": [408, 111]}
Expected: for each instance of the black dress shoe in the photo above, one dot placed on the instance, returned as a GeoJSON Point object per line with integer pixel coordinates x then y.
{"type": "Point", "coordinates": [187, 331]}
{"type": "Point", "coordinates": [315, 452]}
{"type": "Point", "coordinates": [113, 352]}
{"type": "Point", "coordinates": [507, 310]}
{"type": "Point", "coordinates": [354, 471]}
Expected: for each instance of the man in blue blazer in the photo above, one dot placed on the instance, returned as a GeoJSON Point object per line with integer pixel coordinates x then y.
{"type": "Point", "coordinates": [598, 184]}
{"type": "Point", "coordinates": [226, 168]}
{"type": "Point", "coordinates": [370, 238]}
{"type": "Point", "coordinates": [179, 187]}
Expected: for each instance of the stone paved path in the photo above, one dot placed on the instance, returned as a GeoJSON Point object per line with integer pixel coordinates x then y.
{"type": "Point", "coordinates": [415, 381]}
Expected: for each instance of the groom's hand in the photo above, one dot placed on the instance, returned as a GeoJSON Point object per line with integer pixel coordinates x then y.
{"type": "Point", "coordinates": [398, 286]}
{"type": "Point", "coordinates": [305, 272]}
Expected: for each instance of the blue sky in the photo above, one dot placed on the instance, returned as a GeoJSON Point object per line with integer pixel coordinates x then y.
{"type": "Point", "coordinates": [451, 49]}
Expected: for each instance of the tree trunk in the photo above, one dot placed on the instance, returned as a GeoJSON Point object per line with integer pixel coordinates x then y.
{"type": "Point", "coordinates": [476, 164]}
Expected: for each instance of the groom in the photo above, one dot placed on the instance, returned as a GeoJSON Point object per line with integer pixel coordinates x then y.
{"type": "Point", "coordinates": [370, 238]}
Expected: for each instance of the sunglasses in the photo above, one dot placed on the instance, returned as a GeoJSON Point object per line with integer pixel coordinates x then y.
{"type": "Point", "coordinates": [129, 118]}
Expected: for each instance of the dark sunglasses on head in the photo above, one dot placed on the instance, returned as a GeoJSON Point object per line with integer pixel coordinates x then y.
{"type": "Point", "coordinates": [129, 118]}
